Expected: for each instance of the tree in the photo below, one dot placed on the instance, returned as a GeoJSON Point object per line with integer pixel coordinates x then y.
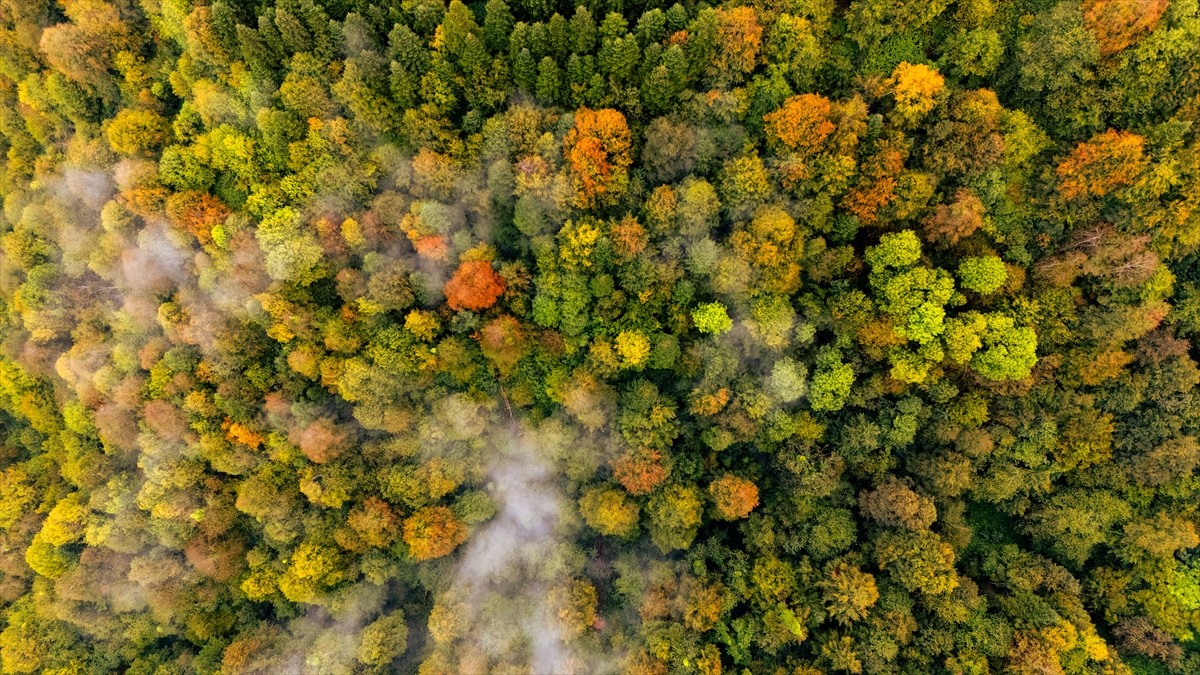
{"type": "Point", "coordinates": [374, 521]}
{"type": "Point", "coordinates": [771, 243]}
{"type": "Point", "coordinates": [918, 561]}
{"type": "Point", "coordinates": [915, 88]}
{"type": "Point", "coordinates": [597, 150]}
{"type": "Point", "coordinates": [739, 38]}
{"type": "Point", "coordinates": [789, 380]}
{"type": "Point", "coordinates": [497, 25]}
{"type": "Point", "coordinates": [180, 167]}
{"type": "Point", "coordinates": [733, 497]}
{"type": "Point", "coordinates": [953, 222]}
{"type": "Point", "coordinates": [292, 252]}
{"type": "Point", "coordinates": [675, 517]}
{"type": "Point", "coordinates": [33, 643]}
{"type": "Point", "coordinates": [744, 183]}
{"type": "Point", "coordinates": [1118, 25]}
{"type": "Point", "coordinates": [84, 49]}
{"type": "Point", "coordinates": [1101, 164]}
{"type": "Point", "coordinates": [968, 139]}
{"type": "Point", "coordinates": [978, 51]}
{"type": "Point", "coordinates": [475, 286]}
{"type": "Point", "coordinates": [504, 341]}
{"type": "Point", "coordinates": [848, 593]}
{"type": "Point", "coordinates": [792, 44]}
{"type": "Point", "coordinates": [364, 90]}
{"type": "Point", "coordinates": [984, 275]}
{"type": "Point", "coordinates": [549, 82]}
{"type": "Point", "coordinates": [1057, 64]}
{"type": "Point", "coordinates": [1072, 523]}
{"type": "Point", "coordinates": [1009, 351]}
{"type": "Point", "coordinates": [801, 125]}
{"type": "Point", "coordinates": [609, 512]}
{"type": "Point", "coordinates": [712, 318]}
{"type": "Point", "coordinates": [670, 148]}
{"type": "Point", "coordinates": [633, 348]}
{"type": "Point", "coordinates": [914, 295]}
{"type": "Point", "coordinates": [640, 471]}
{"type": "Point", "coordinates": [383, 640]}
{"type": "Point", "coordinates": [136, 132]}
{"type": "Point", "coordinates": [831, 382]}
{"type": "Point", "coordinates": [893, 503]}
{"type": "Point", "coordinates": [314, 569]}
{"type": "Point", "coordinates": [197, 212]}
{"type": "Point", "coordinates": [895, 250]}
{"type": "Point", "coordinates": [871, 22]}
{"type": "Point", "coordinates": [1174, 458]}
{"type": "Point", "coordinates": [576, 606]}
{"type": "Point", "coordinates": [433, 532]}
{"type": "Point", "coordinates": [877, 183]}
{"type": "Point", "coordinates": [1140, 636]}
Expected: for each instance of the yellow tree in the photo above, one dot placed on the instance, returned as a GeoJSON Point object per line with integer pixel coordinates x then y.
{"type": "Point", "coordinates": [915, 88]}
{"type": "Point", "coordinates": [739, 41]}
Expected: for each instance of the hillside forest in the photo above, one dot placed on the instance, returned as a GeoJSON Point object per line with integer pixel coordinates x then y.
{"type": "Point", "coordinates": [779, 337]}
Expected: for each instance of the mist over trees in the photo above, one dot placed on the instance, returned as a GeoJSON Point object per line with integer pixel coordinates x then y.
{"type": "Point", "coordinates": [770, 337]}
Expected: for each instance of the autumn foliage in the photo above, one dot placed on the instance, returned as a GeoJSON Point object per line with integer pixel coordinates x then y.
{"type": "Point", "coordinates": [1101, 164]}
{"type": "Point", "coordinates": [957, 220]}
{"type": "Point", "coordinates": [609, 511]}
{"type": "Point", "coordinates": [733, 497]}
{"type": "Point", "coordinates": [877, 184]}
{"type": "Point", "coordinates": [597, 150]}
{"type": "Point", "coordinates": [1118, 24]}
{"type": "Point", "coordinates": [915, 88]}
{"type": "Point", "coordinates": [801, 125]}
{"type": "Point", "coordinates": [374, 521]}
{"type": "Point", "coordinates": [434, 336]}
{"type": "Point", "coordinates": [504, 342]}
{"type": "Point", "coordinates": [640, 471]}
{"type": "Point", "coordinates": [740, 41]}
{"type": "Point", "coordinates": [474, 286]}
{"type": "Point", "coordinates": [321, 441]}
{"type": "Point", "coordinates": [196, 212]}
{"type": "Point", "coordinates": [433, 532]}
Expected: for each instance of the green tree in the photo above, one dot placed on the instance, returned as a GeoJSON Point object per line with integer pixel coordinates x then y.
{"type": "Point", "coordinates": [712, 318]}
{"type": "Point", "coordinates": [675, 517]}
{"type": "Point", "coordinates": [383, 640]}
{"type": "Point", "coordinates": [135, 132]}
{"type": "Point", "coordinates": [984, 275]}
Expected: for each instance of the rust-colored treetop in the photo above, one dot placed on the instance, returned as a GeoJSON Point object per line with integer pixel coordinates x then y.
{"type": "Point", "coordinates": [597, 150]}
{"type": "Point", "coordinates": [474, 286]}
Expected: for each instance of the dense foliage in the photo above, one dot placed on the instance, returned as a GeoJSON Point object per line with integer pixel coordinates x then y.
{"type": "Point", "coordinates": [792, 336]}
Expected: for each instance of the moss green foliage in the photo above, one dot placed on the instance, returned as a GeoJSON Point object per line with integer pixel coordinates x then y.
{"type": "Point", "coordinates": [359, 337]}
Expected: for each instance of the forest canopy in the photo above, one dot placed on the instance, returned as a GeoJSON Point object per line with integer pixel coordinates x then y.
{"type": "Point", "coordinates": [770, 336]}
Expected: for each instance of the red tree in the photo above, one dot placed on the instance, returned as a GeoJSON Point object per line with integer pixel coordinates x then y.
{"type": "Point", "coordinates": [474, 286]}
{"type": "Point", "coordinates": [640, 471]}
